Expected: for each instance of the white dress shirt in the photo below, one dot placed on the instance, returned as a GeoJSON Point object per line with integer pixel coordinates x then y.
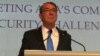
{"type": "Point", "coordinates": [54, 36]}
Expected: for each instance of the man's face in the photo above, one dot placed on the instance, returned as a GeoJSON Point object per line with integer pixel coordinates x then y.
{"type": "Point", "coordinates": [49, 14]}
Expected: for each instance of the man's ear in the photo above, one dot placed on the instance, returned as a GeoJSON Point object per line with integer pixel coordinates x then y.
{"type": "Point", "coordinates": [40, 16]}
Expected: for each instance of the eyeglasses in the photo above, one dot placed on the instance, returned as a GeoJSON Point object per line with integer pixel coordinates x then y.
{"type": "Point", "coordinates": [49, 10]}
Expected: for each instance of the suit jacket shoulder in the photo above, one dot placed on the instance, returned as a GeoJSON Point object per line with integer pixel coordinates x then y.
{"type": "Point", "coordinates": [63, 32]}
{"type": "Point", "coordinates": [32, 40]}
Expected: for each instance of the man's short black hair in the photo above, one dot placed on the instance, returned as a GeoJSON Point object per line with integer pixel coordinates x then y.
{"type": "Point", "coordinates": [41, 7]}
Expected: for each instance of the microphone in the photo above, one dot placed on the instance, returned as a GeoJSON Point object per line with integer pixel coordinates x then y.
{"type": "Point", "coordinates": [49, 33]}
{"type": "Point", "coordinates": [79, 44]}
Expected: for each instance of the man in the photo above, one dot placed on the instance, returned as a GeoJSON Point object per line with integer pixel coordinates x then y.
{"type": "Point", "coordinates": [36, 39]}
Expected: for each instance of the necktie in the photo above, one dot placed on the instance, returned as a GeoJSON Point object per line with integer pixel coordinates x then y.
{"type": "Point", "coordinates": [49, 41]}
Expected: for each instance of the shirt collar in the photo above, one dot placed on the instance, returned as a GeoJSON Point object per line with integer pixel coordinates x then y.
{"type": "Point", "coordinates": [54, 30]}
{"type": "Point", "coordinates": [46, 29]}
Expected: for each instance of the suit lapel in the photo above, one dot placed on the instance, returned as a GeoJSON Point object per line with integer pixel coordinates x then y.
{"type": "Point", "coordinates": [60, 43]}
{"type": "Point", "coordinates": [40, 39]}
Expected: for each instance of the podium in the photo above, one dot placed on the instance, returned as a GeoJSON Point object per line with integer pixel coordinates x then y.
{"type": "Point", "coordinates": [59, 53]}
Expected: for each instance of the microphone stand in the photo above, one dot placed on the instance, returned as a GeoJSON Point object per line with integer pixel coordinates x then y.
{"type": "Point", "coordinates": [79, 44]}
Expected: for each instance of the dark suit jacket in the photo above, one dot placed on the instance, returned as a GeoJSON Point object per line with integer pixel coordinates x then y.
{"type": "Point", "coordinates": [33, 40]}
